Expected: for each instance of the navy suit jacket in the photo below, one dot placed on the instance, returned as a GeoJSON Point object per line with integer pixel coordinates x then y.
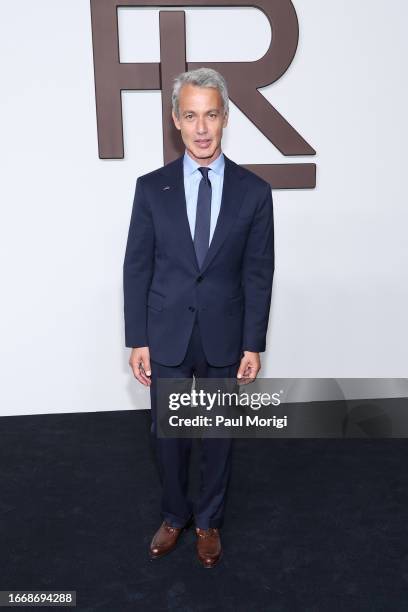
{"type": "Point", "coordinates": [164, 288]}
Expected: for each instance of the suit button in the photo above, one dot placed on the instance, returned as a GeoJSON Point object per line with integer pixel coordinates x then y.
{"type": "Point", "coordinates": [191, 308]}
{"type": "Point", "coordinates": [199, 279]}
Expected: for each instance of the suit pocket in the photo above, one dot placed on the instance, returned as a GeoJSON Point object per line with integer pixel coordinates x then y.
{"type": "Point", "coordinates": [155, 300]}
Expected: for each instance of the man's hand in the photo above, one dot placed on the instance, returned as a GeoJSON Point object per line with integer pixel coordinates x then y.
{"type": "Point", "coordinates": [248, 368]}
{"type": "Point", "coordinates": [139, 361]}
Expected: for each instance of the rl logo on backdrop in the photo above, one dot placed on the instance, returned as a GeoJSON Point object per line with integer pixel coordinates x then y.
{"type": "Point", "coordinates": [243, 79]}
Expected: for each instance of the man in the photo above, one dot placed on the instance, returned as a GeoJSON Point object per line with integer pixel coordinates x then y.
{"type": "Point", "coordinates": [198, 275]}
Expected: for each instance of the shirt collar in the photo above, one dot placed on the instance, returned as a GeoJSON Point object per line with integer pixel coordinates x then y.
{"type": "Point", "coordinates": [190, 166]}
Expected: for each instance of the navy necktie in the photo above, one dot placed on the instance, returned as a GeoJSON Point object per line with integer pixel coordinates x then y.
{"type": "Point", "coordinates": [203, 216]}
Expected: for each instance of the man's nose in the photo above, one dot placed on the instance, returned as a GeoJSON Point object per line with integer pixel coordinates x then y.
{"type": "Point", "coordinates": [201, 126]}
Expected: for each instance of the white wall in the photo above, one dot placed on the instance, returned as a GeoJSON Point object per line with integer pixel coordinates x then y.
{"type": "Point", "coordinates": [340, 288]}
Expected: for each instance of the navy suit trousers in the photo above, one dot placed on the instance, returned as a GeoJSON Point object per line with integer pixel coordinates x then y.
{"type": "Point", "coordinates": [173, 454]}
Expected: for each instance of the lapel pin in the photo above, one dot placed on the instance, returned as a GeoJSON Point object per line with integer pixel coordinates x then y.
{"type": "Point", "coordinates": [166, 187]}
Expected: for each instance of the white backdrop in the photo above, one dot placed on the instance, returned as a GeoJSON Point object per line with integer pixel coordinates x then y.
{"type": "Point", "coordinates": [340, 289]}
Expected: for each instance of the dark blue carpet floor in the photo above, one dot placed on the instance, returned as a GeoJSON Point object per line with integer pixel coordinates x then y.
{"type": "Point", "coordinates": [311, 525]}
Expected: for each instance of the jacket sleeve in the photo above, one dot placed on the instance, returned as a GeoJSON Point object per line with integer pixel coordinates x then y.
{"type": "Point", "coordinates": [257, 275]}
{"type": "Point", "coordinates": [138, 269]}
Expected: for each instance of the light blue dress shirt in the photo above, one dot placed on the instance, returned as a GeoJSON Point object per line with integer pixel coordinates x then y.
{"type": "Point", "coordinates": [192, 178]}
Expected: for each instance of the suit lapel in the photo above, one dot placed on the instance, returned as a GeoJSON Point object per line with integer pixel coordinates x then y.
{"type": "Point", "coordinates": [233, 192]}
{"type": "Point", "coordinates": [176, 208]}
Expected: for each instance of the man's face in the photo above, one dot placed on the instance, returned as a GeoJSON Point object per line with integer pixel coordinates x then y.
{"type": "Point", "coordinates": [201, 121]}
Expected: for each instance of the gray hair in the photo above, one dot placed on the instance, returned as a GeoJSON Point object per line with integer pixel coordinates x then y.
{"type": "Point", "coordinates": [201, 77]}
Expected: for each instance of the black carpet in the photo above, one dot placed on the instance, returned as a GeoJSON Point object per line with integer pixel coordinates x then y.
{"type": "Point", "coordinates": [311, 525]}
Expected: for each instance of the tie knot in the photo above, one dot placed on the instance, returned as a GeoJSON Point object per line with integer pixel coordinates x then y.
{"type": "Point", "coordinates": [204, 171]}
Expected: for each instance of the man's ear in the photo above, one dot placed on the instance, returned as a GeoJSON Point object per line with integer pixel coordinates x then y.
{"type": "Point", "coordinates": [176, 121]}
{"type": "Point", "coordinates": [225, 122]}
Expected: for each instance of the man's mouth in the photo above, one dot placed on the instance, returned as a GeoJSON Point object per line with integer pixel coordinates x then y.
{"type": "Point", "coordinates": [203, 143]}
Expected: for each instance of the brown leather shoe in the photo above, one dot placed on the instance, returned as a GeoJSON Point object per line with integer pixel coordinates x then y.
{"type": "Point", "coordinates": [165, 539]}
{"type": "Point", "coordinates": [209, 548]}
